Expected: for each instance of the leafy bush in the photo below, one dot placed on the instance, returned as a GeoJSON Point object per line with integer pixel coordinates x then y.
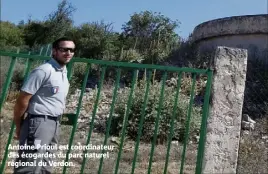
{"type": "Point", "coordinates": [78, 73]}
{"type": "Point", "coordinates": [17, 79]}
{"type": "Point", "coordinates": [151, 113]}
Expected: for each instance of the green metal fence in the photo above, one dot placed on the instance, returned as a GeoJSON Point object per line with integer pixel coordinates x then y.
{"type": "Point", "coordinates": [119, 67]}
{"type": "Point", "coordinates": [42, 50]}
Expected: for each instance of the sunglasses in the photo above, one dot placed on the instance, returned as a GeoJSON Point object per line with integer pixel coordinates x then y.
{"type": "Point", "coordinates": [72, 50]}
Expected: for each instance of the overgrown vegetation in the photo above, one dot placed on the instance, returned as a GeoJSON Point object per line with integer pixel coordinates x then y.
{"type": "Point", "coordinates": [152, 108]}
{"type": "Point", "coordinates": [148, 37]}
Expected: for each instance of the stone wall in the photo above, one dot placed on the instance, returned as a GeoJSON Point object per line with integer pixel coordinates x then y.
{"type": "Point", "coordinates": [224, 121]}
{"type": "Point", "coordinates": [248, 32]}
{"type": "Point", "coordinates": [256, 44]}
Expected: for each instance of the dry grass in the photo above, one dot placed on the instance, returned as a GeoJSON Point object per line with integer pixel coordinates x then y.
{"type": "Point", "coordinates": [253, 151]}
{"type": "Point", "coordinates": [252, 154]}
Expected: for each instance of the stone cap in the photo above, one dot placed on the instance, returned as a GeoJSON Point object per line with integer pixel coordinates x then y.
{"type": "Point", "coordinates": [234, 25]}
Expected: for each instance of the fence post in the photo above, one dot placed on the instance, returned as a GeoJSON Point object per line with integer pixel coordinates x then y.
{"type": "Point", "coordinates": [2, 100]}
{"type": "Point", "coordinates": [224, 121]}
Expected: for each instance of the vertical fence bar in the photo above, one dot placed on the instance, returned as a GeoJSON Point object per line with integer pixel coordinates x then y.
{"type": "Point", "coordinates": [126, 119]}
{"type": "Point", "coordinates": [7, 82]}
{"type": "Point", "coordinates": [118, 73]}
{"type": "Point", "coordinates": [47, 49]}
{"type": "Point", "coordinates": [26, 65]}
{"type": "Point", "coordinates": [93, 116]}
{"type": "Point", "coordinates": [164, 77]}
{"type": "Point", "coordinates": [41, 50]}
{"type": "Point", "coordinates": [171, 130]}
{"type": "Point", "coordinates": [205, 114]}
{"type": "Point", "coordinates": [27, 68]}
{"type": "Point", "coordinates": [6, 149]}
{"type": "Point", "coordinates": [18, 51]}
{"type": "Point", "coordinates": [188, 123]}
{"type": "Point", "coordinates": [141, 119]}
{"type": "Point", "coordinates": [69, 70]}
{"type": "Point", "coordinates": [3, 98]}
{"type": "Point", "coordinates": [77, 114]}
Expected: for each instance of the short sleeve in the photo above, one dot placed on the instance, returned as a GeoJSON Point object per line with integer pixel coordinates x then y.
{"type": "Point", "coordinates": [34, 81]}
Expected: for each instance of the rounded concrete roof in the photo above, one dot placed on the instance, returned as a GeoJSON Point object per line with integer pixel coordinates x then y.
{"type": "Point", "coordinates": [234, 25]}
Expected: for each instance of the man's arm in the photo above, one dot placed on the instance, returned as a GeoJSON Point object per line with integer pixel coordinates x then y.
{"type": "Point", "coordinates": [29, 88]}
{"type": "Point", "coordinates": [20, 108]}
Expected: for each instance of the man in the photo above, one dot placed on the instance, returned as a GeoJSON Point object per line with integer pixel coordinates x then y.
{"type": "Point", "coordinates": [42, 99]}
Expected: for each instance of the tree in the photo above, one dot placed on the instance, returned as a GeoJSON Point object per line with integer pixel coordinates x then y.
{"type": "Point", "coordinates": [56, 25]}
{"type": "Point", "coordinates": [10, 35]}
{"type": "Point", "coordinates": [95, 40]}
{"type": "Point", "coordinates": [60, 21]}
{"type": "Point", "coordinates": [152, 34]}
{"type": "Point", "coordinates": [36, 33]}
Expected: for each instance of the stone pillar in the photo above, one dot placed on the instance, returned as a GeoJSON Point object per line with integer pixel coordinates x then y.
{"type": "Point", "coordinates": [224, 121]}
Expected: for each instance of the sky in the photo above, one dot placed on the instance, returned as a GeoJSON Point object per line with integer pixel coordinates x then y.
{"type": "Point", "coordinates": [189, 13]}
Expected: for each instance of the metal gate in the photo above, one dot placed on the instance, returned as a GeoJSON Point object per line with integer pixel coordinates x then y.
{"type": "Point", "coordinates": [134, 69]}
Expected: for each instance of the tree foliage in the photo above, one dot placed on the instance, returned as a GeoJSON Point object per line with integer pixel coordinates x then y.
{"type": "Point", "coordinates": [147, 27]}
{"type": "Point", "coordinates": [60, 21]}
{"type": "Point", "coordinates": [95, 39]}
{"type": "Point", "coordinates": [10, 35]}
{"type": "Point", "coordinates": [56, 25]}
{"type": "Point", "coordinates": [152, 34]}
{"type": "Point", "coordinates": [148, 37]}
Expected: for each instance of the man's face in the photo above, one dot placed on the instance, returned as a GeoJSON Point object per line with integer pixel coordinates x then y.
{"type": "Point", "coordinates": [65, 52]}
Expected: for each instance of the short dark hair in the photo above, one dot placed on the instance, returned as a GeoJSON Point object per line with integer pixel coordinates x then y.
{"type": "Point", "coordinates": [56, 43]}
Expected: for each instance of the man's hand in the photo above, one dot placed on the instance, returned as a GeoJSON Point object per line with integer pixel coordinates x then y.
{"type": "Point", "coordinates": [19, 110]}
{"type": "Point", "coordinates": [17, 134]}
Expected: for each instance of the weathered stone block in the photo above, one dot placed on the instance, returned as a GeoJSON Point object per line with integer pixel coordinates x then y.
{"type": "Point", "coordinates": [224, 122]}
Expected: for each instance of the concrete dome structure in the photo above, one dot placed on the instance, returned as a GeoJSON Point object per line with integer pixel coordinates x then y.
{"type": "Point", "coordinates": [249, 32]}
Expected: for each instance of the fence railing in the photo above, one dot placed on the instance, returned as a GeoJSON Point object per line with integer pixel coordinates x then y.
{"type": "Point", "coordinates": [42, 50]}
{"type": "Point", "coordinates": [175, 114]}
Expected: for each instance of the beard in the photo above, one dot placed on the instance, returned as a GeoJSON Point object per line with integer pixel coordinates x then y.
{"type": "Point", "coordinates": [62, 61]}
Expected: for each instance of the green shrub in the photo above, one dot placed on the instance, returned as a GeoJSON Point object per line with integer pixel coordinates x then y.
{"type": "Point", "coordinates": [151, 113]}
{"type": "Point", "coordinates": [17, 77]}
{"type": "Point", "coordinates": [78, 73]}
